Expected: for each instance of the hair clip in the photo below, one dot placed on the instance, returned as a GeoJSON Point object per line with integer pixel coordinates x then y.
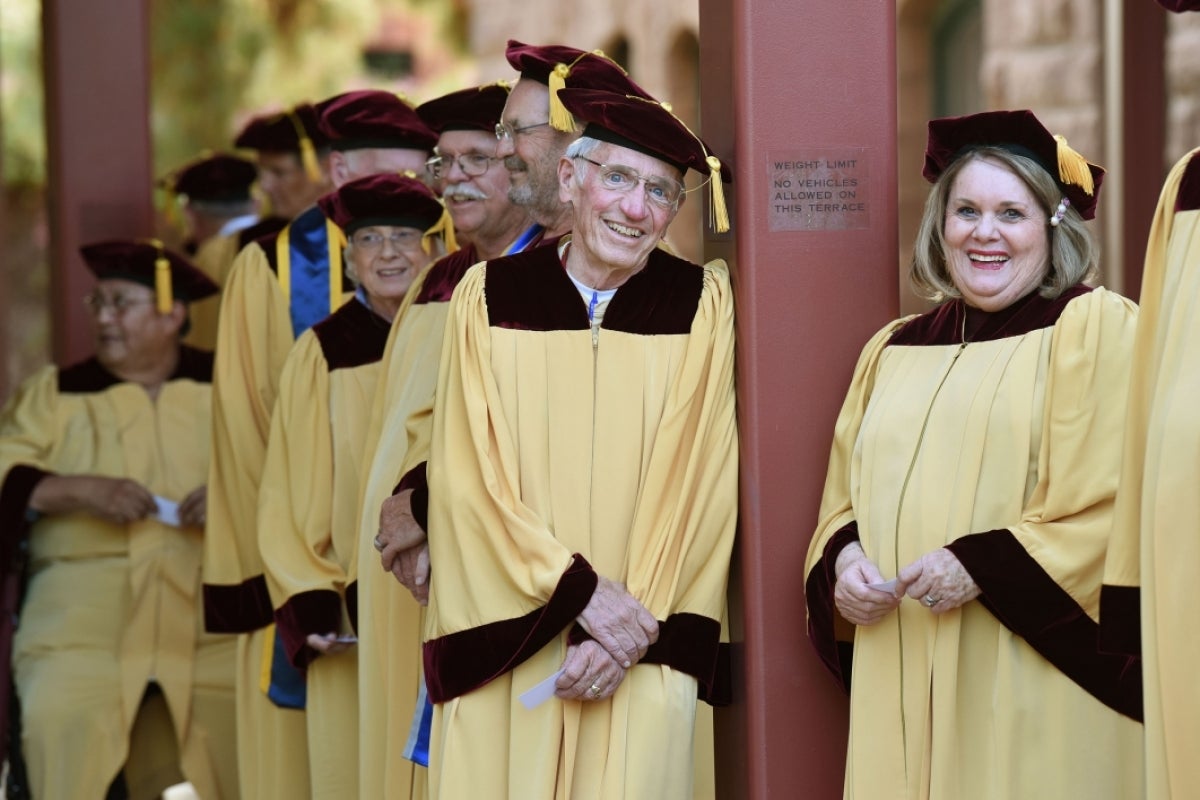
{"type": "Point", "coordinates": [1059, 212]}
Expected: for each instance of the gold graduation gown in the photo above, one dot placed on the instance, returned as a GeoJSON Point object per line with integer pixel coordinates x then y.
{"type": "Point", "coordinates": [554, 458]}
{"type": "Point", "coordinates": [389, 620]}
{"type": "Point", "coordinates": [277, 285]}
{"type": "Point", "coordinates": [215, 258]}
{"type": "Point", "coordinates": [111, 608]}
{"type": "Point", "coordinates": [1005, 450]}
{"type": "Point", "coordinates": [1150, 593]}
{"type": "Point", "coordinates": [308, 515]}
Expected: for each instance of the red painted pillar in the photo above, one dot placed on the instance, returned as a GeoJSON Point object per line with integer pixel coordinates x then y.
{"type": "Point", "coordinates": [801, 99]}
{"type": "Point", "coordinates": [1143, 132]}
{"type": "Point", "coordinates": [98, 145]}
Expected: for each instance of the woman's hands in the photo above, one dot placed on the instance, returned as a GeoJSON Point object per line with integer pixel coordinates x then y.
{"type": "Point", "coordinates": [855, 600]}
{"type": "Point", "coordinates": [938, 580]}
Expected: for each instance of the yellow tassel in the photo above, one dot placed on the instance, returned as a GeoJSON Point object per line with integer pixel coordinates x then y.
{"type": "Point", "coordinates": [308, 153]}
{"type": "Point", "coordinates": [162, 283]}
{"type": "Point", "coordinates": [1073, 168]}
{"type": "Point", "coordinates": [308, 156]}
{"type": "Point", "coordinates": [560, 118]}
{"type": "Point", "coordinates": [719, 215]}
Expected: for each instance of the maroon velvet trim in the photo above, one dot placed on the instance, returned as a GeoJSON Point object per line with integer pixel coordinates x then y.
{"type": "Point", "coordinates": [443, 276]}
{"type": "Point", "coordinates": [267, 243]}
{"type": "Point", "coordinates": [237, 608]}
{"type": "Point", "coordinates": [264, 227]}
{"type": "Point", "coordinates": [416, 480]}
{"type": "Point", "coordinates": [195, 365]}
{"type": "Point", "coordinates": [944, 324]}
{"type": "Point", "coordinates": [822, 613]}
{"type": "Point", "coordinates": [1028, 602]}
{"type": "Point", "coordinates": [689, 643]}
{"type": "Point", "coordinates": [15, 491]}
{"type": "Point", "coordinates": [1121, 620]}
{"type": "Point", "coordinates": [352, 336]}
{"type": "Point", "coordinates": [462, 662]}
{"type": "Point", "coordinates": [352, 605]}
{"type": "Point", "coordinates": [89, 376]}
{"type": "Point", "coordinates": [1188, 198]}
{"type": "Point", "coordinates": [85, 377]}
{"type": "Point", "coordinates": [531, 291]}
{"type": "Point", "coordinates": [317, 611]}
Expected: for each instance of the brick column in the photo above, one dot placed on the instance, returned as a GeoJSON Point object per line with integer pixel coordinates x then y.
{"type": "Point", "coordinates": [802, 103]}
{"type": "Point", "coordinates": [98, 145]}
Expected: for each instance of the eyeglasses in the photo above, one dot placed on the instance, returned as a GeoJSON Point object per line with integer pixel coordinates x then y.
{"type": "Point", "coordinates": [472, 164]}
{"type": "Point", "coordinates": [506, 132]}
{"type": "Point", "coordinates": [402, 239]}
{"type": "Point", "coordinates": [662, 192]}
{"type": "Point", "coordinates": [119, 304]}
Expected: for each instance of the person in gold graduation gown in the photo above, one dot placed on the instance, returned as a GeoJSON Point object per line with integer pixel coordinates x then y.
{"type": "Point", "coordinates": [1149, 599]}
{"type": "Point", "coordinates": [474, 186]}
{"type": "Point", "coordinates": [582, 485]}
{"type": "Point", "coordinates": [220, 215]}
{"type": "Point", "coordinates": [112, 668]}
{"type": "Point", "coordinates": [308, 500]}
{"type": "Point", "coordinates": [279, 286]}
{"type": "Point", "coordinates": [974, 462]}
{"type": "Point", "coordinates": [530, 147]}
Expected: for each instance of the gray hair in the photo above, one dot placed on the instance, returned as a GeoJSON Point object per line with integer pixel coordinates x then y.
{"type": "Point", "coordinates": [582, 147]}
{"type": "Point", "coordinates": [1074, 252]}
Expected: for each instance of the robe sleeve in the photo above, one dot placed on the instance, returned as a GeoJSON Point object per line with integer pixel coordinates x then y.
{"type": "Point", "coordinates": [686, 517]}
{"type": "Point", "coordinates": [253, 339]}
{"type": "Point", "coordinates": [828, 631]}
{"type": "Point", "coordinates": [474, 470]}
{"type": "Point", "coordinates": [295, 509]}
{"type": "Point", "coordinates": [1172, 247]}
{"type": "Point", "coordinates": [1041, 578]}
{"type": "Point", "coordinates": [27, 439]}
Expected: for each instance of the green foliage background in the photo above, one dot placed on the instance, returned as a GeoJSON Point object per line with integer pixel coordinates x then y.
{"type": "Point", "coordinates": [214, 63]}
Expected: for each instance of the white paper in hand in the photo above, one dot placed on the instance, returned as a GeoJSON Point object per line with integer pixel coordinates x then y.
{"type": "Point", "coordinates": [168, 511]}
{"type": "Point", "coordinates": [888, 587]}
{"type": "Point", "coordinates": [540, 693]}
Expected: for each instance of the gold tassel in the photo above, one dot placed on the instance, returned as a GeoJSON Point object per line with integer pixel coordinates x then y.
{"type": "Point", "coordinates": [308, 153]}
{"type": "Point", "coordinates": [308, 156]}
{"type": "Point", "coordinates": [560, 118]}
{"type": "Point", "coordinates": [445, 228]}
{"type": "Point", "coordinates": [719, 215]}
{"type": "Point", "coordinates": [163, 296]}
{"type": "Point", "coordinates": [1073, 168]}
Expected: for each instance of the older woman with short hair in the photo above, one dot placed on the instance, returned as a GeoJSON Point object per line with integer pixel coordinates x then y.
{"type": "Point", "coordinates": [309, 497]}
{"type": "Point", "coordinates": [972, 474]}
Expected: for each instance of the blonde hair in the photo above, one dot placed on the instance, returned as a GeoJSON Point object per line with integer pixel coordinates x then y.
{"type": "Point", "coordinates": [1074, 252]}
